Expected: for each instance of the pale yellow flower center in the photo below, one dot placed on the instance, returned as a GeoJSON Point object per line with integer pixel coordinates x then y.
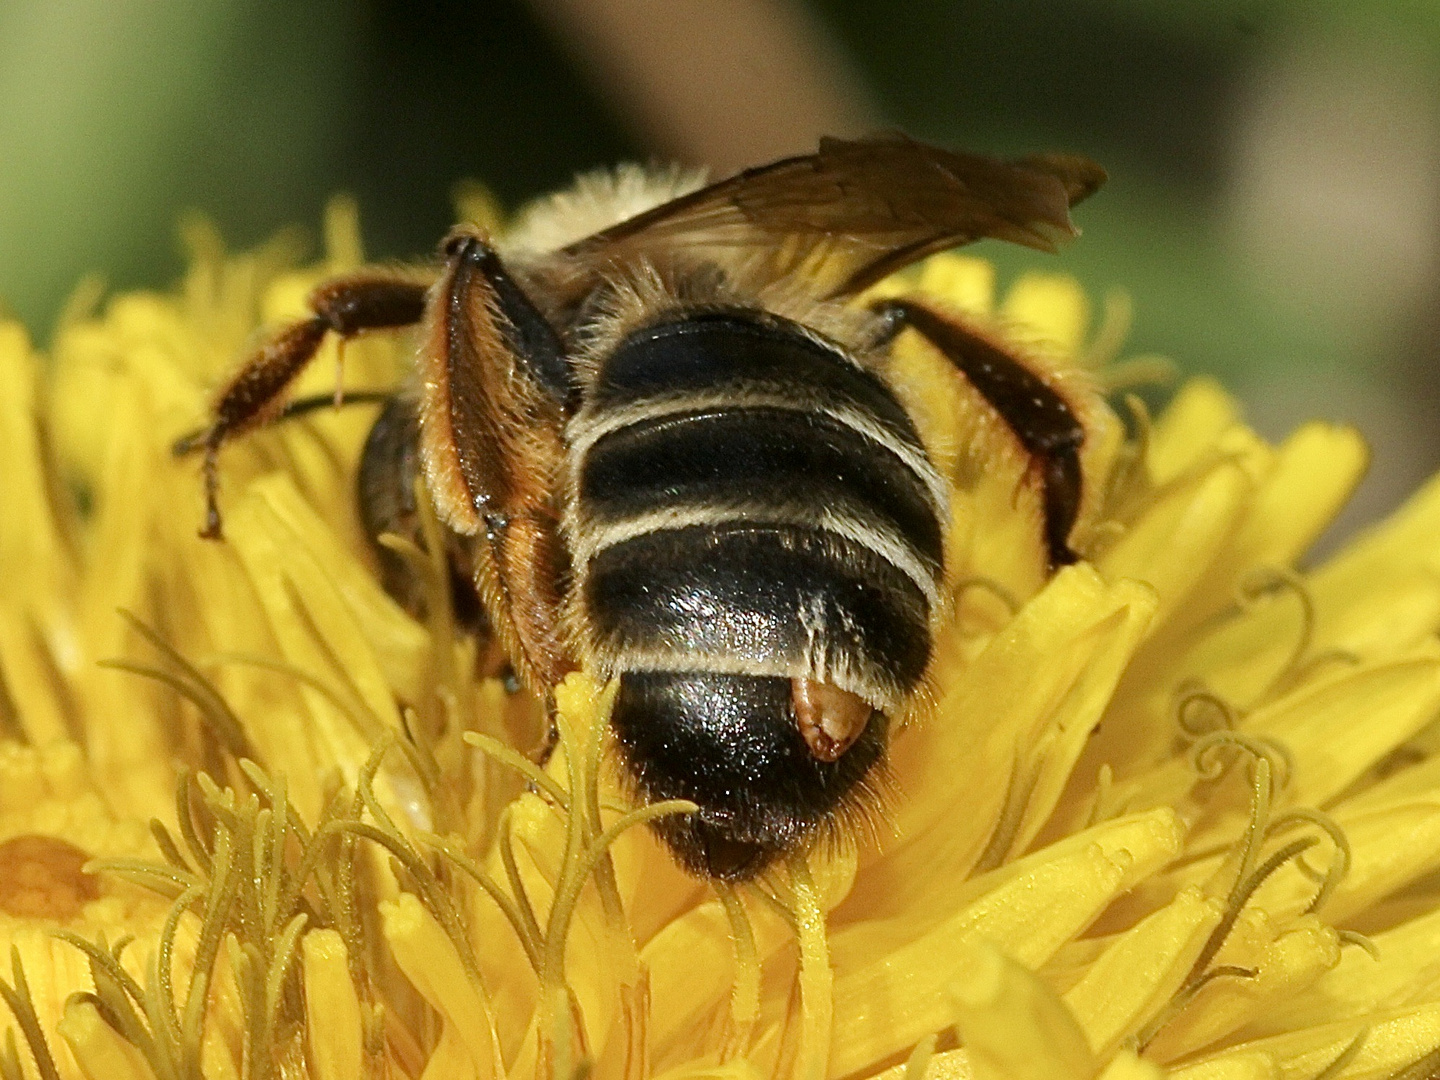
{"type": "Point", "coordinates": [1137, 831]}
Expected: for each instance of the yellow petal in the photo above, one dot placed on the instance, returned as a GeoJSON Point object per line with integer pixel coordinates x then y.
{"type": "Point", "coordinates": [315, 627]}
{"type": "Point", "coordinates": [1126, 1066]}
{"type": "Point", "coordinates": [1318, 723]}
{"type": "Point", "coordinates": [1392, 1041]}
{"type": "Point", "coordinates": [1390, 549]}
{"type": "Point", "coordinates": [1241, 1065]}
{"type": "Point", "coordinates": [1176, 540]}
{"type": "Point", "coordinates": [1054, 748]}
{"type": "Point", "coordinates": [100, 1051]}
{"type": "Point", "coordinates": [1135, 977]}
{"type": "Point", "coordinates": [950, 1065]}
{"type": "Point", "coordinates": [399, 643]}
{"type": "Point", "coordinates": [1296, 489]}
{"type": "Point", "coordinates": [1406, 971]}
{"type": "Point", "coordinates": [29, 537]}
{"type": "Point", "coordinates": [691, 966]}
{"type": "Point", "coordinates": [1013, 1025]}
{"type": "Point", "coordinates": [1240, 657]}
{"type": "Point", "coordinates": [962, 280]}
{"type": "Point", "coordinates": [331, 1007]}
{"type": "Point", "coordinates": [1290, 963]}
{"type": "Point", "coordinates": [730, 1070]}
{"type": "Point", "coordinates": [1313, 474]}
{"type": "Point", "coordinates": [1045, 678]}
{"type": "Point", "coordinates": [1187, 431]}
{"type": "Point", "coordinates": [1053, 307]}
{"type": "Point", "coordinates": [428, 960]}
{"type": "Point", "coordinates": [889, 991]}
{"type": "Point", "coordinates": [1389, 846]}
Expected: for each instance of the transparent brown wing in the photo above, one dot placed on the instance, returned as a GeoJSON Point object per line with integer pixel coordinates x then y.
{"type": "Point", "coordinates": [855, 211]}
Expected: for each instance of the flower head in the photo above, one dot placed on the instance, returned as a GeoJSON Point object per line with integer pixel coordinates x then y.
{"type": "Point", "coordinates": [1175, 810]}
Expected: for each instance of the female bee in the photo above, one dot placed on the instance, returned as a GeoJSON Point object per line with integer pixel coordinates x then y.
{"type": "Point", "coordinates": [667, 452]}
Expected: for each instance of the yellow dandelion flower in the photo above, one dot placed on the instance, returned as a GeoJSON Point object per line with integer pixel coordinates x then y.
{"type": "Point", "coordinates": [1176, 813]}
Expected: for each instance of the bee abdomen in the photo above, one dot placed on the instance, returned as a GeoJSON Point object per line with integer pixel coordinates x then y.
{"type": "Point", "coordinates": [742, 728]}
{"type": "Point", "coordinates": [749, 500]}
{"type": "Point", "coordinates": [760, 600]}
{"type": "Point", "coordinates": [775, 463]}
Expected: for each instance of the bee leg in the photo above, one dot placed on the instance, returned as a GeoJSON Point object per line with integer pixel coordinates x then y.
{"type": "Point", "coordinates": [551, 739]}
{"type": "Point", "coordinates": [299, 407]}
{"type": "Point", "coordinates": [346, 306]}
{"type": "Point", "coordinates": [389, 488]}
{"type": "Point", "coordinates": [526, 333]}
{"type": "Point", "coordinates": [495, 386]}
{"type": "Point", "coordinates": [293, 410]}
{"type": "Point", "coordinates": [1045, 424]}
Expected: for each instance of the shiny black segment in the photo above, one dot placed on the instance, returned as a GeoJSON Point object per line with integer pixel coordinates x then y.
{"type": "Point", "coordinates": [731, 744]}
{"type": "Point", "coordinates": [774, 458]}
{"type": "Point", "coordinates": [723, 350]}
{"type": "Point", "coordinates": [773, 594]}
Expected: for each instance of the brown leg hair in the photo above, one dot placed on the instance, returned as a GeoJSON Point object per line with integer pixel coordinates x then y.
{"type": "Point", "coordinates": [345, 306]}
{"type": "Point", "coordinates": [1042, 420]}
{"type": "Point", "coordinates": [495, 384]}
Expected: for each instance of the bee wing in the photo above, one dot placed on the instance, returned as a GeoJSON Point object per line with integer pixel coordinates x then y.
{"type": "Point", "coordinates": [855, 211]}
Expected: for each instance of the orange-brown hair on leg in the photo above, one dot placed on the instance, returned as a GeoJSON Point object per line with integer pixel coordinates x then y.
{"type": "Point", "coordinates": [492, 409]}
{"type": "Point", "coordinates": [347, 306]}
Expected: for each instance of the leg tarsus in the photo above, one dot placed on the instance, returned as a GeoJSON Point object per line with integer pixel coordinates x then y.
{"type": "Point", "coordinates": [339, 395]}
{"type": "Point", "coordinates": [252, 393]}
{"type": "Point", "coordinates": [1061, 484]}
{"type": "Point", "coordinates": [193, 441]}
{"type": "Point", "coordinates": [211, 469]}
{"type": "Point", "coordinates": [551, 739]}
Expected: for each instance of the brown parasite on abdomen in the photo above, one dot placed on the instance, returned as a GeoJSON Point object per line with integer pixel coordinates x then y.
{"type": "Point", "coordinates": [668, 452]}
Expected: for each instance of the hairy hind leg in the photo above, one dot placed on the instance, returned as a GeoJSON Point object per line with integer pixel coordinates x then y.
{"type": "Point", "coordinates": [1043, 422]}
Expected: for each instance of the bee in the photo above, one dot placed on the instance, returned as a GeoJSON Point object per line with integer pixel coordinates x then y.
{"type": "Point", "coordinates": [658, 428]}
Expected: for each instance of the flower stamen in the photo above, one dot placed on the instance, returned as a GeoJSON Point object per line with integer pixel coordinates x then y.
{"type": "Point", "coordinates": [1333, 874]}
{"type": "Point", "coordinates": [1196, 703]}
{"type": "Point", "coordinates": [1182, 999]}
{"type": "Point", "coordinates": [994, 588]}
{"type": "Point", "coordinates": [918, 1063]}
{"type": "Point", "coordinates": [450, 848]}
{"type": "Point", "coordinates": [1017, 798]}
{"type": "Point", "coordinates": [1266, 582]}
{"type": "Point", "coordinates": [745, 994]}
{"type": "Point", "coordinates": [816, 978]}
{"type": "Point", "coordinates": [187, 680]}
{"type": "Point", "coordinates": [22, 1006]}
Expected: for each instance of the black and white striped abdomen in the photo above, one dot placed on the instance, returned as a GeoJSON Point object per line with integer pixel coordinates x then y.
{"type": "Point", "coordinates": [747, 499]}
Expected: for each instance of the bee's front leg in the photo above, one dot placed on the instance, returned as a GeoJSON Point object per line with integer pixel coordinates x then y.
{"type": "Point", "coordinates": [345, 306]}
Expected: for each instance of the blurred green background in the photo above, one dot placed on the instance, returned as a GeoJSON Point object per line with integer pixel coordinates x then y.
{"type": "Point", "coordinates": [1273, 209]}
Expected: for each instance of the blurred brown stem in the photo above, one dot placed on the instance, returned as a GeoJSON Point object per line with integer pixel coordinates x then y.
{"type": "Point", "coordinates": [723, 83]}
